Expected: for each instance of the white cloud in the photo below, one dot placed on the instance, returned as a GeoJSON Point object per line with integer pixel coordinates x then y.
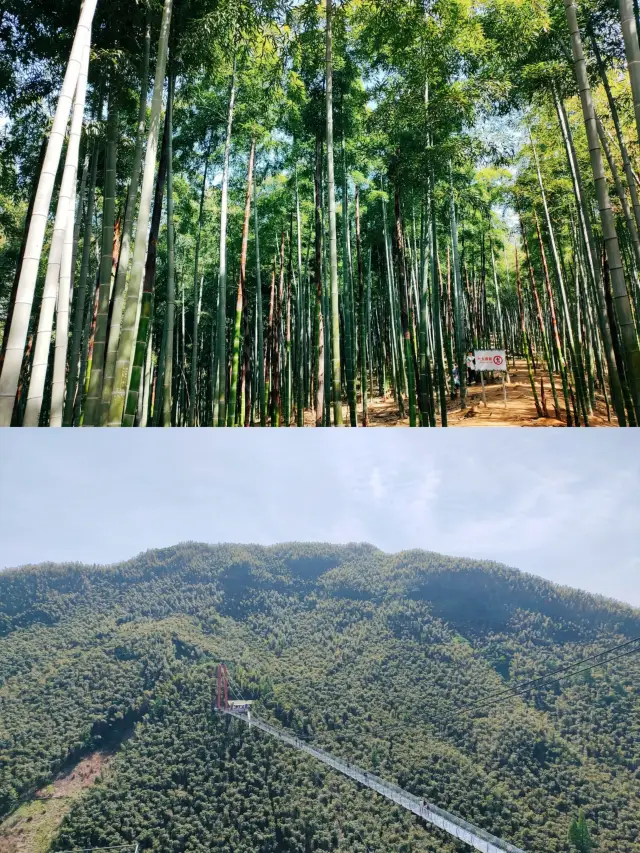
{"type": "Point", "coordinates": [562, 505]}
{"type": "Point", "coordinates": [377, 488]}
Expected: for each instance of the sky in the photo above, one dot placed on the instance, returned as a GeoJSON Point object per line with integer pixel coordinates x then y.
{"type": "Point", "coordinates": [562, 504]}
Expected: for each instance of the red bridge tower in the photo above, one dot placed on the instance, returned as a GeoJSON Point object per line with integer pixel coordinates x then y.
{"type": "Point", "coordinates": [223, 688]}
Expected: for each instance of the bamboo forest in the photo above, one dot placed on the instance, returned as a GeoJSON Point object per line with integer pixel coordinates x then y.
{"type": "Point", "coordinates": [302, 213]}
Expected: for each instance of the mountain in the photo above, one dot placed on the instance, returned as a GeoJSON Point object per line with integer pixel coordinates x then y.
{"type": "Point", "coordinates": [389, 660]}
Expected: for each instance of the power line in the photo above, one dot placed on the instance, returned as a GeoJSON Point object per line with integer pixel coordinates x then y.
{"type": "Point", "coordinates": [497, 700]}
{"type": "Point", "coordinates": [516, 685]}
{"type": "Point", "coordinates": [112, 847]}
{"type": "Point", "coordinates": [524, 686]}
{"type": "Point", "coordinates": [366, 846]}
{"type": "Point", "coordinates": [548, 679]}
{"type": "Point", "coordinates": [560, 669]}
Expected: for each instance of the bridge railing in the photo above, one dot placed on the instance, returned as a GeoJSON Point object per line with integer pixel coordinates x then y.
{"type": "Point", "coordinates": [450, 823]}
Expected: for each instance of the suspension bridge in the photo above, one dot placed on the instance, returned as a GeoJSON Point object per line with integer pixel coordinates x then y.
{"type": "Point", "coordinates": [453, 825]}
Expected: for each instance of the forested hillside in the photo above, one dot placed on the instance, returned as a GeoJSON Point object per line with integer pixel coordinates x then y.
{"type": "Point", "coordinates": [375, 657]}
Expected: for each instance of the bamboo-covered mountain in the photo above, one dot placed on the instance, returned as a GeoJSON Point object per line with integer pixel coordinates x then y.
{"type": "Point", "coordinates": [391, 660]}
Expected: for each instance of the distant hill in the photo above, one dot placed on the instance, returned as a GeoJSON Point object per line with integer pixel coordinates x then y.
{"type": "Point", "coordinates": [374, 656]}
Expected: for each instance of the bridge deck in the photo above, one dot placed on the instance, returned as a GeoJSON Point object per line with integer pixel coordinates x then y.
{"type": "Point", "coordinates": [453, 825]}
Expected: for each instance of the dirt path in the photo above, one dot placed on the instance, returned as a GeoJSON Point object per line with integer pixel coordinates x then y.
{"type": "Point", "coordinates": [31, 827]}
{"type": "Point", "coordinates": [519, 412]}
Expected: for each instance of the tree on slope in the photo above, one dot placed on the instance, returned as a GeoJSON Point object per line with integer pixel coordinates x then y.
{"type": "Point", "coordinates": [579, 834]}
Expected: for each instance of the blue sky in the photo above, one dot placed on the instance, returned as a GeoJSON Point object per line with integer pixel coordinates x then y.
{"type": "Point", "coordinates": [563, 504]}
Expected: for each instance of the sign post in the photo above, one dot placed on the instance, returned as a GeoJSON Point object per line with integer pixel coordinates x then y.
{"type": "Point", "coordinates": [491, 359]}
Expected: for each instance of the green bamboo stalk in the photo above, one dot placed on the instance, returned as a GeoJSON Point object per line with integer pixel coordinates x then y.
{"type": "Point", "coordinates": [349, 343]}
{"type": "Point", "coordinates": [92, 404]}
{"type": "Point", "coordinates": [276, 331]}
{"type": "Point", "coordinates": [555, 335]}
{"type": "Point", "coordinates": [626, 162]}
{"type": "Point", "coordinates": [145, 405]}
{"type": "Point", "coordinates": [501, 335]}
{"type": "Point", "coordinates": [77, 220]}
{"type": "Point", "coordinates": [404, 311]}
{"type": "Point", "coordinates": [326, 296]}
{"type": "Point", "coordinates": [450, 329]}
{"type": "Point", "coordinates": [622, 196]}
{"type": "Point", "coordinates": [632, 51]}
{"type": "Point", "coordinates": [525, 343]}
{"type": "Point", "coordinates": [319, 330]}
{"type": "Point", "coordinates": [74, 386]}
{"type": "Point", "coordinates": [260, 318]}
{"type": "Point", "coordinates": [241, 297]}
{"type": "Point", "coordinates": [457, 303]}
{"type": "Point", "coordinates": [167, 384]}
{"type": "Point", "coordinates": [363, 312]}
{"type": "Point", "coordinates": [300, 325]}
{"type": "Point", "coordinates": [125, 246]}
{"type": "Point", "coordinates": [87, 350]}
{"type": "Point", "coordinates": [436, 312]}
{"type": "Point", "coordinates": [130, 317]}
{"type": "Point", "coordinates": [196, 293]}
{"type": "Point", "coordinates": [593, 266]}
{"type": "Point", "coordinates": [397, 368]}
{"type": "Point", "coordinates": [336, 373]}
{"type": "Point", "coordinates": [628, 400]}
{"type": "Point", "coordinates": [623, 310]}
{"type": "Point", "coordinates": [158, 403]}
{"type": "Point", "coordinates": [146, 305]}
{"type": "Point", "coordinates": [575, 356]}
{"type": "Point", "coordinates": [58, 380]}
{"type": "Point", "coordinates": [287, 325]}
{"type": "Point", "coordinates": [59, 257]}
{"type": "Point", "coordinates": [221, 399]}
{"type": "Point", "coordinates": [17, 336]}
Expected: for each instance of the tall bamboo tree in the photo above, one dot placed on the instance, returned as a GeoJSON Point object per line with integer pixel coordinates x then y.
{"type": "Point", "coordinates": [241, 298]}
{"type": "Point", "coordinates": [167, 389]}
{"type": "Point", "coordinates": [63, 220]}
{"type": "Point", "coordinates": [67, 265]}
{"type": "Point", "coordinates": [219, 416]}
{"type": "Point", "coordinates": [146, 307]}
{"type": "Point", "coordinates": [94, 394]}
{"type": "Point", "coordinates": [196, 293]}
{"type": "Point", "coordinates": [632, 51]}
{"type": "Point", "coordinates": [17, 339]}
{"type": "Point", "coordinates": [336, 373]}
{"type": "Point", "coordinates": [125, 246]}
{"type": "Point", "coordinates": [628, 332]}
{"type": "Point", "coordinates": [130, 316]}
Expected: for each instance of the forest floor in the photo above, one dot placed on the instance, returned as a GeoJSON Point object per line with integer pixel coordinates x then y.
{"type": "Point", "coordinates": [31, 827]}
{"type": "Point", "coordinates": [520, 410]}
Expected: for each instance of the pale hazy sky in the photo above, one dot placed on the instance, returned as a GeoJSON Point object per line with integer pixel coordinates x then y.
{"type": "Point", "coordinates": [564, 504]}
